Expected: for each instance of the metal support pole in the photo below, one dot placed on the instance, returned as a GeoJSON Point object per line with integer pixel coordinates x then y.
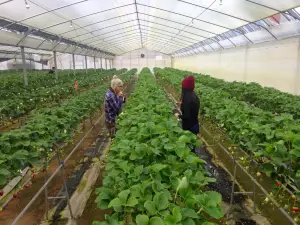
{"type": "Point", "coordinates": [65, 185]}
{"type": "Point", "coordinates": [95, 63]}
{"type": "Point", "coordinates": [233, 186]}
{"type": "Point", "coordinates": [46, 191]}
{"type": "Point", "coordinates": [24, 66]}
{"type": "Point", "coordinates": [101, 63]}
{"type": "Point", "coordinates": [86, 67]}
{"type": "Point", "coordinates": [105, 63]}
{"type": "Point", "coordinates": [73, 56]}
{"type": "Point", "coordinates": [55, 65]}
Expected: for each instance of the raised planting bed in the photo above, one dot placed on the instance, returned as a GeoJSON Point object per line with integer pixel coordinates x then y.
{"type": "Point", "coordinates": [285, 197]}
{"type": "Point", "coordinates": [17, 101]}
{"type": "Point", "coordinates": [35, 140]}
{"type": "Point", "coordinates": [152, 177]}
{"type": "Point", "coordinates": [75, 151]}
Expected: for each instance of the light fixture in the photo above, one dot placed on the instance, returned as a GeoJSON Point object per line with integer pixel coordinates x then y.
{"type": "Point", "coordinates": [221, 2]}
{"type": "Point", "coordinates": [71, 24]}
{"type": "Point", "coordinates": [27, 5]}
{"type": "Point", "coordinates": [192, 22]}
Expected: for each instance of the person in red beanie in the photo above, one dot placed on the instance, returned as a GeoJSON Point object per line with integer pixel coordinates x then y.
{"type": "Point", "coordinates": [190, 106]}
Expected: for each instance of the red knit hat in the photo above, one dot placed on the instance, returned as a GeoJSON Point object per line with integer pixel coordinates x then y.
{"type": "Point", "coordinates": [188, 83]}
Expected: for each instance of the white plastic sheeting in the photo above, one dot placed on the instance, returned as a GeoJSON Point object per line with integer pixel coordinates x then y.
{"type": "Point", "coordinates": [134, 59]}
{"type": "Point", "coordinates": [120, 26]}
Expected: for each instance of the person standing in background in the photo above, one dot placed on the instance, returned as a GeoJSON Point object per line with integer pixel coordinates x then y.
{"type": "Point", "coordinates": [113, 102]}
{"type": "Point", "coordinates": [52, 71]}
{"type": "Point", "coordinates": [190, 106]}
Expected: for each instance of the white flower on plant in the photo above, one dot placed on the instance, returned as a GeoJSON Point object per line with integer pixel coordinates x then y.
{"type": "Point", "coordinates": [20, 171]}
{"type": "Point", "coordinates": [65, 131]}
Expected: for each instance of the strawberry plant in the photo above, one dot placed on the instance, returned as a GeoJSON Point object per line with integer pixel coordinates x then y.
{"type": "Point", "coordinates": [34, 140]}
{"type": "Point", "coordinates": [43, 91]}
{"type": "Point", "coordinates": [272, 139]}
{"type": "Point", "coordinates": [266, 98]}
{"type": "Point", "coordinates": [152, 177]}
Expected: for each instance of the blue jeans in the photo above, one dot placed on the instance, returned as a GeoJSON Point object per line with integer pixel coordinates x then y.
{"type": "Point", "coordinates": [195, 130]}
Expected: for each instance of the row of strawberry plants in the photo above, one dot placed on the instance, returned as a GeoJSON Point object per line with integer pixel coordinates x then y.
{"type": "Point", "coordinates": [28, 99]}
{"type": "Point", "coordinates": [272, 139]}
{"type": "Point", "coordinates": [35, 139]}
{"type": "Point", "coordinates": [13, 81]}
{"type": "Point", "coordinates": [152, 177]}
{"type": "Point", "coordinates": [266, 98]}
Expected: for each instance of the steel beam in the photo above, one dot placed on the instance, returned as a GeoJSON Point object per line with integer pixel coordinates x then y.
{"type": "Point", "coordinates": [137, 16]}
{"type": "Point", "coordinates": [118, 37]}
{"type": "Point", "coordinates": [86, 66]}
{"type": "Point", "coordinates": [109, 31]}
{"type": "Point", "coordinates": [179, 14]}
{"type": "Point", "coordinates": [73, 57]}
{"type": "Point", "coordinates": [174, 33]}
{"type": "Point", "coordinates": [147, 37]}
{"type": "Point", "coordinates": [175, 28]}
{"type": "Point", "coordinates": [77, 18]}
{"type": "Point", "coordinates": [173, 36]}
{"type": "Point", "coordinates": [40, 14]}
{"type": "Point", "coordinates": [90, 24]}
{"type": "Point", "coordinates": [172, 21]}
{"type": "Point", "coordinates": [24, 66]}
{"type": "Point", "coordinates": [55, 65]}
{"type": "Point", "coordinates": [105, 38]}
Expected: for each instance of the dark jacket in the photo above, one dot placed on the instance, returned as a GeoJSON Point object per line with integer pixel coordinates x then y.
{"type": "Point", "coordinates": [190, 109]}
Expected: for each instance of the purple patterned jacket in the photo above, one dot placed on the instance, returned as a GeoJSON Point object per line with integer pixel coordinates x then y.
{"type": "Point", "coordinates": [112, 106]}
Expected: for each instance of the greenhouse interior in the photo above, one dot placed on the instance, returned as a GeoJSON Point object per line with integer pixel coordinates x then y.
{"type": "Point", "coordinates": [149, 112]}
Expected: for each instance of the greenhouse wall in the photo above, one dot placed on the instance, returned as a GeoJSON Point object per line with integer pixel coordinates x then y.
{"type": "Point", "coordinates": [17, 64]}
{"type": "Point", "coordinates": [274, 64]}
{"type": "Point", "coordinates": [65, 61]}
{"type": "Point", "coordinates": [134, 60]}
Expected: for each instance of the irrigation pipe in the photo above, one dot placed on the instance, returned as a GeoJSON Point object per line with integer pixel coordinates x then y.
{"type": "Point", "coordinates": [246, 172]}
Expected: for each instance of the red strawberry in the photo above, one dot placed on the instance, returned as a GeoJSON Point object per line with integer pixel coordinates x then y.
{"type": "Point", "coordinates": [295, 209]}
{"type": "Point", "coordinates": [15, 195]}
{"type": "Point", "coordinates": [1, 193]}
{"type": "Point", "coordinates": [278, 183]}
{"type": "Point", "coordinates": [232, 146]}
{"type": "Point", "coordinates": [44, 170]}
{"type": "Point", "coordinates": [26, 186]}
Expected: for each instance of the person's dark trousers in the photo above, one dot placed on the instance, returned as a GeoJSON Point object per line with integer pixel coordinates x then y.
{"type": "Point", "coordinates": [111, 129]}
{"type": "Point", "coordinates": [195, 130]}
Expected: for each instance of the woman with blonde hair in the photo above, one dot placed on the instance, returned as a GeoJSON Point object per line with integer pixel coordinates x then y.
{"type": "Point", "coordinates": [114, 100]}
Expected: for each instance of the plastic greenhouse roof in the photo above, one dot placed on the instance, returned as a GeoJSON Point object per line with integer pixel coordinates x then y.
{"type": "Point", "coordinates": [112, 27]}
